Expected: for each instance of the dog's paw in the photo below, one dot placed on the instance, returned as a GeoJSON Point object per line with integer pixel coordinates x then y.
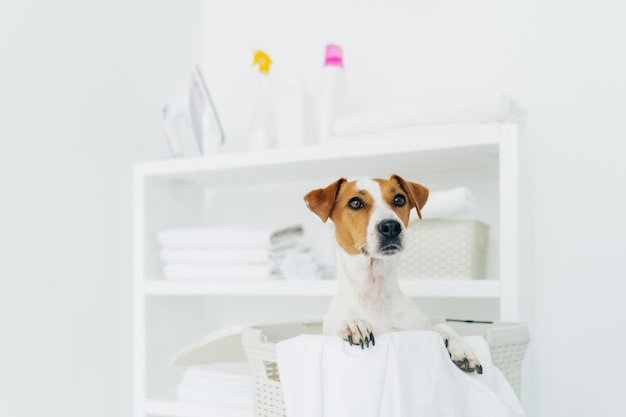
{"type": "Point", "coordinates": [462, 355]}
{"type": "Point", "coordinates": [357, 332]}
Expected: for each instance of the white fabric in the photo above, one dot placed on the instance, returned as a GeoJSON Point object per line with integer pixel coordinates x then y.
{"type": "Point", "coordinates": [216, 271]}
{"type": "Point", "coordinates": [218, 256]}
{"type": "Point", "coordinates": [298, 265]}
{"type": "Point", "coordinates": [478, 109]}
{"type": "Point", "coordinates": [453, 203]}
{"type": "Point", "coordinates": [229, 238]}
{"type": "Point", "coordinates": [407, 374]}
{"type": "Point", "coordinates": [205, 385]}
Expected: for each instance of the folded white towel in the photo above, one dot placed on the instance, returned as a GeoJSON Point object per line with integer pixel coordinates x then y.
{"type": "Point", "coordinates": [230, 238]}
{"type": "Point", "coordinates": [406, 374]}
{"type": "Point", "coordinates": [218, 256]}
{"type": "Point", "coordinates": [475, 109]}
{"type": "Point", "coordinates": [217, 271]}
{"type": "Point", "coordinates": [233, 377]}
{"type": "Point", "coordinates": [207, 385]}
{"type": "Point", "coordinates": [215, 398]}
{"type": "Point", "coordinates": [454, 203]}
{"type": "Point", "coordinates": [298, 265]}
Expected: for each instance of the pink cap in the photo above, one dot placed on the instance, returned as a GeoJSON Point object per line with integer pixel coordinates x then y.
{"type": "Point", "coordinates": [334, 55]}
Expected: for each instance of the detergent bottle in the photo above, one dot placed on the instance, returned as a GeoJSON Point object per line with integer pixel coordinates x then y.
{"type": "Point", "coordinates": [334, 91]}
{"type": "Point", "coordinates": [263, 133]}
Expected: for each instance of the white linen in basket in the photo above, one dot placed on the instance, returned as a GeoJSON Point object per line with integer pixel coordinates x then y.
{"type": "Point", "coordinates": [406, 374]}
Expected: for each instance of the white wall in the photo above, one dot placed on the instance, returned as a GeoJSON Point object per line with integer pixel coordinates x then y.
{"type": "Point", "coordinates": [576, 171]}
{"type": "Point", "coordinates": [564, 62]}
{"type": "Point", "coordinates": [82, 85]}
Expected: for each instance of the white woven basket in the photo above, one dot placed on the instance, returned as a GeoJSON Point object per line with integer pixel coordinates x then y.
{"type": "Point", "coordinates": [448, 249]}
{"type": "Point", "coordinates": [507, 343]}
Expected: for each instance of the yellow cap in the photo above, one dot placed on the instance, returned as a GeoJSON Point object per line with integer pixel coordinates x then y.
{"type": "Point", "coordinates": [263, 60]}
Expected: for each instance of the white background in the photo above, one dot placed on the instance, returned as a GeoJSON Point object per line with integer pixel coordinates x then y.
{"type": "Point", "coordinates": [81, 90]}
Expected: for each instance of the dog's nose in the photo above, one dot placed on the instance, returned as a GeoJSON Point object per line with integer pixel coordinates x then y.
{"type": "Point", "coordinates": [390, 228]}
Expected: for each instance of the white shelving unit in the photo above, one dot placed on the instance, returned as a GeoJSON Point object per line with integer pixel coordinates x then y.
{"type": "Point", "coordinates": [267, 187]}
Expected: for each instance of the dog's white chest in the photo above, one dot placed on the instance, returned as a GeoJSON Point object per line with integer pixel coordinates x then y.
{"type": "Point", "coordinates": [374, 293]}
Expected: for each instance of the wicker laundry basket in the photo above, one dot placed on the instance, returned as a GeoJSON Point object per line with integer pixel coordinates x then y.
{"type": "Point", "coordinates": [507, 343]}
{"type": "Point", "coordinates": [442, 248]}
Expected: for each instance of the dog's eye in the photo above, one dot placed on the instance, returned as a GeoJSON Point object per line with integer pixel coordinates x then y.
{"type": "Point", "coordinates": [356, 203]}
{"type": "Point", "coordinates": [399, 200]}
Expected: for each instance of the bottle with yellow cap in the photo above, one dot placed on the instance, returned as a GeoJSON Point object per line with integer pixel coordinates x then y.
{"type": "Point", "coordinates": [263, 128]}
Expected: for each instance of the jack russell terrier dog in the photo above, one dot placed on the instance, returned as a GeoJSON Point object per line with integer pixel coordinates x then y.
{"type": "Point", "coordinates": [370, 218]}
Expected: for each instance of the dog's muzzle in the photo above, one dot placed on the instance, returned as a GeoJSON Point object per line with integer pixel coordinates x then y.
{"type": "Point", "coordinates": [390, 237]}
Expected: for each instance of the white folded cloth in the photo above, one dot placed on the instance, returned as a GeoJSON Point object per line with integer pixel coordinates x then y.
{"type": "Point", "coordinates": [230, 237]}
{"type": "Point", "coordinates": [297, 265]}
{"type": "Point", "coordinates": [217, 271]}
{"type": "Point", "coordinates": [406, 374]}
{"type": "Point", "coordinates": [218, 256]}
{"type": "Point", "coordinates": [474, 109]}
{"type": "Point", "coordinates": [454, 203]}
{"type": "Point", "coordinates": [210, 386]}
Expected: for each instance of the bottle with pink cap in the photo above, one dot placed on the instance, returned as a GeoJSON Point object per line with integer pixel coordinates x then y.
{"type": "Point", "coordinates": [333, 94]}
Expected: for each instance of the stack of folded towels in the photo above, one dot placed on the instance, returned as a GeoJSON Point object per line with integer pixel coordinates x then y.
{"type": "Point", "coordinates": [233, 253]}
{"type": "Point", "coordinates": [211, 385]}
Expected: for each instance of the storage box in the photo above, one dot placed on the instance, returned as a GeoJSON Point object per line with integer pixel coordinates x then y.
{"type": "Point", "coordinates": [446, 249]}
{"type": "Point", "coordinates": [507, 343]}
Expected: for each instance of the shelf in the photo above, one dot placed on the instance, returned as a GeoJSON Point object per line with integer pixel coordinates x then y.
{"type": "Point", "coordinates": [434, 149]}
{"type": "Point", "coordinates": [412, 288]}
{"type": "Point", "coordinates": [178, 192]}
{"type": "Point", "coordinates": [173, 408]}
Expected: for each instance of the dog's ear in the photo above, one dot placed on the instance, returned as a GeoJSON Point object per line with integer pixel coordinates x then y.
{"type": "Point", "coordinates": [322, 200]}
{"type": "Point", "coordinates": [417, 194]}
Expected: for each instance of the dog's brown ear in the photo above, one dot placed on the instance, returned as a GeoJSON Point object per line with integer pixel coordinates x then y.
{"type": "Point", "coordinates": [322, 200]}
{"type": "Point", "coordinates": [418, 194]}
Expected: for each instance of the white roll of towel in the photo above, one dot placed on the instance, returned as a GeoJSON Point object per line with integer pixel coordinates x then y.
{"type": "Point", "coordinates": [474, 109]}
{"type": "Point", "coordinates": [454, 203]}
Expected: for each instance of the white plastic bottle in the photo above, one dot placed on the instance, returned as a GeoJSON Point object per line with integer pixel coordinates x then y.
{"type": "Point", "coordinates": [263, 127]}
{"type": "Point", "coordinates": [296, 113]}
{"type": "Point", "coordinates": [334, 91]}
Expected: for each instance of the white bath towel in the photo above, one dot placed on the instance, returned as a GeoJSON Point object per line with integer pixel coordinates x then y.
{"type": "Point", "coordinates": [218, 256]}
{"type": "Point", "coordinates": [453, 203]}
{"type": "Point", "coordinates": [407, 374]}
{"type": "Point", "coordinates": [216, 387]}
{"type": "Point", "coordinates": [217, 271]}
{"type": "Point", "coordinates": [299, 265]}
{"type": "Point", "coordinates": [474, 109]}
{"type": "Point", "coordinates": [230, 237]}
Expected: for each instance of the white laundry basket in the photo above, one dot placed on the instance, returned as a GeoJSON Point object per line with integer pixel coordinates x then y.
{"type": "Point", "coordinates": [445, 249]}
{"type": "Point", "coordinates": [507, 343]}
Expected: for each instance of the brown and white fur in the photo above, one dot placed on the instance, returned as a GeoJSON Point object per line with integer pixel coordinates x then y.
{"type": "Point", "coordinates": [370, 218]}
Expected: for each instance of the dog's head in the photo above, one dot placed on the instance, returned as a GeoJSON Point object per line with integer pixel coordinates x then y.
{"type": "Point", "coordinates": [370, 215]}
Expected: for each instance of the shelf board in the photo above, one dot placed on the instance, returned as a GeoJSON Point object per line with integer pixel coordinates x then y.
{"type": "Point", "coordinates": [437, 288]}
{"type": "Point", "coordinates": [429, 149]}
{"type": "Point", "coordinates": [174, 408]}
